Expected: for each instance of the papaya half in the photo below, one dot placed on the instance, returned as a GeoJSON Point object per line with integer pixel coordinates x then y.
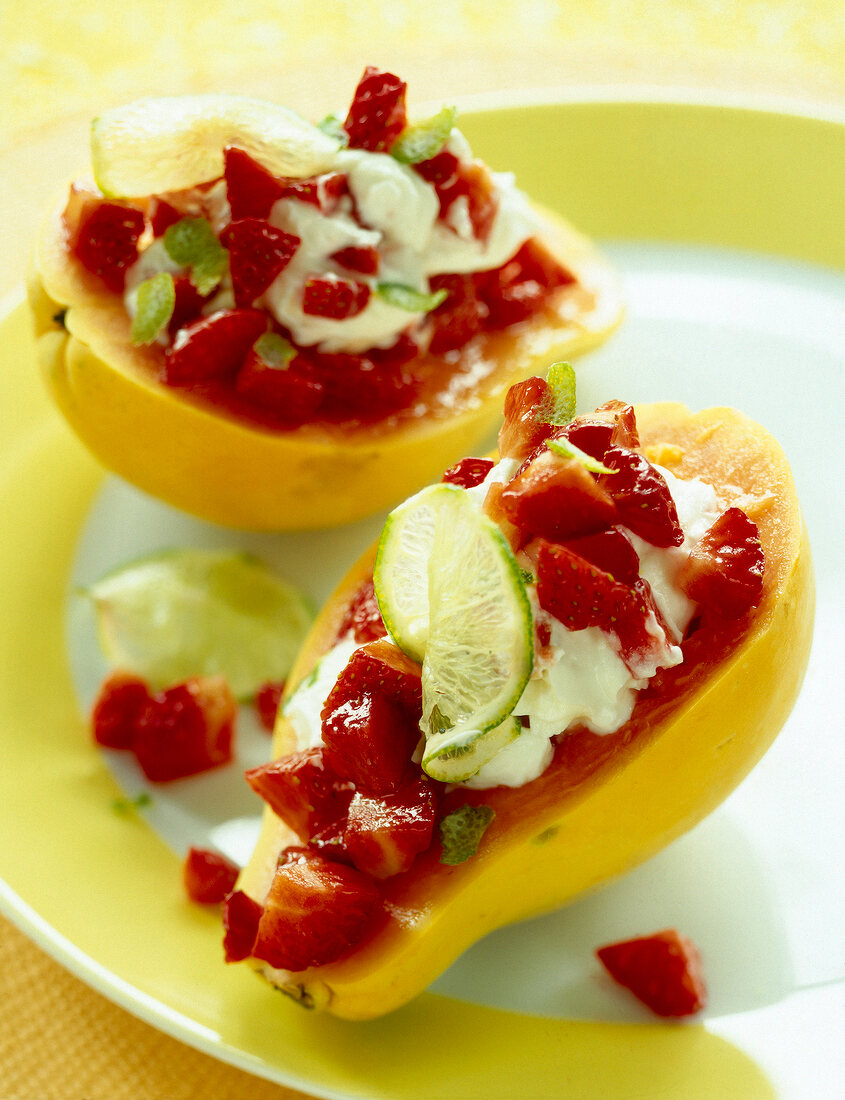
{"type": "Point", "coordinates": [605, 803]}
{"type": "Point", "coordinates": [205, 460]}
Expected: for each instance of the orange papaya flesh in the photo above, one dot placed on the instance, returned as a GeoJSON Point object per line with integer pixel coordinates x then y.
{"type": "Point", "coordinates": [606, 803]}
{"type": "Point", "coordinates": [207, 461]}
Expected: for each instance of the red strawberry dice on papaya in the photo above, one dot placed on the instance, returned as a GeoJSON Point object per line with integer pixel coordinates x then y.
{"type": "Point", "coordinates": [642, 497]}
{"type": "Point", "coordinates": [250, 188]}
{"type": "Point", "coordinates": [459, 317]}
{"type": "Point", "coordinates": [286, 393]}
{"type": "Point", "coordinates": [724, 572]}
{"type": "Point", "coordinates": [557, 499]}
{"type": "Point", "coordinates": [383, 835]}
{"type": "Point", "coordinates": [363, 616]}
{"type": "Point", "coordinates": [369, 739]}
{"type": "Point", "coordinates": [213, 348]}
{"type": "Point", "coordinates": [161, 216]}
{"type": "Point", "coordinates": [241, 915]}
{"type": "Point", "coordinates": [514, 291]}
{"type": "Point", "coordinates": [315, 911]}
{"type": "Point", "coordinates": [364, 260]}
{"type": "Point", "coordinates": [335, 298]}
{"type": "Point", "coordinates": [302, 790]}
{"type": "Point", "coordinates": [208, 876]}
{"type": "Point", "coordinates": [610, 550]}
{"type": "Point", "coordinates": [258, 252]}
{"type": "Point", "coordinates": [663, 971]}
{"type": "Point", "coordinates": [120, 703]}
{"type": "Point", "coordinates": [468, 472]}
{"type": "Point", "coordinates": [104, 236]}
{"type": "Point", "coordinates": [523, 429]}
{"type": "Point", "coordinates": [186, 729]}
{"type": "Point", "coordinates": [612, 424]}
{"type": "Point", "coordinates": [377, 114]}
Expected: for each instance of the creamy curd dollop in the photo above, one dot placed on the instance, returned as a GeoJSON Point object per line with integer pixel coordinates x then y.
{"type": "Point", "coordinates": [579, 678]}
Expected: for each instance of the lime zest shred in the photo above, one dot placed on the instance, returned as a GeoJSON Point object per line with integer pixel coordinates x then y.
{"type": "Point", "coordinates": [274, 350]}
{"type": "Point", "coordinates": [565, 449]}
{"type": "Point", "coordinates": [155, 303]}
{"type": "Point", "coordinates": [191, 242]}
{"type": "Point", "coordinates": [561, 406]}
{"type": "Point", "coordinates": [406, 297]}
{"type": "Point", "coordinates": [425, 139]}
{"type": "Point", "coordinates": [461, 832]}
{"type": "Point", "coordinates": [332, 127]}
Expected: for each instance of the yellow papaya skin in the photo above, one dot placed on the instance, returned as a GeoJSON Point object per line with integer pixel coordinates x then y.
{"type": "Point", "coordinates": [205, 461]}
{"type": "Point", "coordinates": [606, 803]}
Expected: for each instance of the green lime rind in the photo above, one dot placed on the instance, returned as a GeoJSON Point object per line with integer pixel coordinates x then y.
{"type": "Point", "coordinates": [565, 449]}
{"type": "Point", "coordinates": [424, 140]}
{"type": "Point", "coordinates": [458, 754]}
{"type": "Point", "coordinates": [561, 381]}
{"type": "Point", "coordinates": [181, 613]}
{"type": "Point", "coordinates": [410, 299]}
{"type": "Point", "coordinates": [154, 307]}
{"type": "Point", "coordinates": [461, 832]}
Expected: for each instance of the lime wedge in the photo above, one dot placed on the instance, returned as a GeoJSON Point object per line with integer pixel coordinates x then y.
{"type": "Point", "coordinates": [453, 597]}
{"type": "Point", "coordinates": [184, 613]}
{"type": "Point", "coordinates": [169, 143]}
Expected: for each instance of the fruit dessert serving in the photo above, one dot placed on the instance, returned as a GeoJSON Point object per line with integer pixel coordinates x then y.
{"type": "Point", "coordinates": [553, 664]}
{"type": "Point", "coordinates": [280, 325]}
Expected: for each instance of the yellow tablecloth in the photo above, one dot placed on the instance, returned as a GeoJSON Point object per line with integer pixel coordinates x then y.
{"type": "Point", "coordinates": [60, 64]}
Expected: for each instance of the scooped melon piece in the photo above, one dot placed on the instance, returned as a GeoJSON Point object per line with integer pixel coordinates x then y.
{"type": "Point", "coordinates": [606, 803]}
{"type": "Point", "coordinates": [204, 460]}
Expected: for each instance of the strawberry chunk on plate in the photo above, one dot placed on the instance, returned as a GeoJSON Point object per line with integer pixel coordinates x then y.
{"type": "Point", "coordinates": [662, 970]}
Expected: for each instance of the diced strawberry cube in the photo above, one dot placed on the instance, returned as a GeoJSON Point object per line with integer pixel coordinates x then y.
{"type": "Point", "coordinates": [459, 317]}
{"type": "Point", "coordinates": [369, 739]}
{"type": "Point", "coordinates": [104, 236]}
{"type": "Point", "coordinates": [642, 497]}
{"type": "Point", "coordinates": [213, 348]}
{"type": "Point", "coordinates": [383, 835]}
{"type": "Point", "coordinates": [120, 703]}
{"type": "Point", "coordinates": [162, 215]}
{"type": "Point", "coordinates": [523, 429]}
{"type": "Point", "coordinates": [377, 115]}
{"type": "Point", "coordinates": [288, 394]}
{"type": "Point", "coordinates": [315, 912]}
{"type": "Point", "coordinates": [610, 550]}
{"type": "Point", "coordinates": [208, 876]}
{"type": "Point", "coordinates": [241, 915]}
{"type": "Point", "coordinates": [724, 572]}
{"type": "Point", "coordinates": [380, 668]}
{"type": "Point", "coordinates": [557, 499]}
{"type": "Point", "coordinates": [361, 387]}
{"type": "Point", "coordinates": [363, 616]}
{"type": "Point", "coordinates": [335, 298]}
{"type": "Point", "coordinates": [662, 970]}
{"type": "Point", "coordinates": [363, 260]}
{"type": "Point", "coordinates": [469, 472]}
{"type": "Point", "coordinates": [267, 700]}
{"type": "Point", "coordinates": [250, 188]}
{"type": "Point", "coordinates": [453, 179]}
{"type": "Point", "coordinates": [517, 289]}
{"type": "Point", "coordinates": [258, 252]}
{"type": "Point", "coordinates": [302, 790]}
{"type": "Point", "coordinates": [186, 729]}
{"type": "Point", "coordinates": [612, 424]}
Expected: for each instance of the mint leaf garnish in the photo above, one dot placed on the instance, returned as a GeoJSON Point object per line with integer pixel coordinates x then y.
{"type": "Point", "coordinates": [565, 449]}
{"type": "Point", "coordinates": [424, 140]}
{"type": "Point", "coordinates": [274, 350]}
{"type": "Point", "coordinates": [561, 380]}
{"type": "Point", "coordinates": [191, 242]}
{"type": "Point", "coordinates": [155, 302]}
{"type": "Point", "coordinates": [461, 832]}
{"type": "Point", "coordinates": [405, 297]}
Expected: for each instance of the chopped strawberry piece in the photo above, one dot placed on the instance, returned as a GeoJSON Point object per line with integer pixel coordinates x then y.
{"type": "Point", "coordinates": [186, 729]}
{"type": "Point", "coordinates": [369, 739]}
{"type": "Point", "coordinates": [258, 252]}
{"type": "Point", "coordinates": [612, 424]}
{"type": "Point", "coordinates": [250, 188]}
{"type": "Point", "coordinates": [267, 700]}
{"type": "Point", "coordinates": [161, 216]}
{"type": "Point", "coordinates": [363, 616]}
{"type": "Point", "coordinates": [469, 472]}
{"type": "Point", "coordinates": [208, 876]}
{"type": "Point", "coordinates": [303, 790]}
{"type": "Point", "coordinates": [459, 317]}
{"type": "Point", "coordinates": [324, 192]}
{"type": "Point", "coordinates": [288, 394]}
{"type": "Point", "coordinates": [315, 912]}
{"type": "Point", "coordinates": [363, 260]}
{"type": "Point", "coordinates": [241, 915]}
{"type": "Point", "coordinates": [333, 297]}
{"type": "Point", "coordinates": [187, 306]}
{"type": "Point", "coordinates": [380, 668]}
{"type": "Point", "coordinates": [119, 704]}
{"type": "Point", "coordinates": [453, 179]}
{"type": "Point", "coordinates": [517, 289]}
{"type": "Point", "coordinates": [724, 572]}
{"type": "Point", "coordinates": [611, 551]}
{"type": "Point", "coordinates": [383, 835]}
{"type": "Point", "coordinates": [493, 508]}
{"type": "Point", "coordinates": [364, 387]}
{"type": "Point", "coordinates": [557, 499]}
{"type": "Point", "coordinates": [104, 236]}
{"type": "Point", "coordinates": [642, 497]}
{"type": "Point", "coordinates": [663, 971]}
{"type": "Point", "coordinates": [523, 429]}
{"type": "Point", "coordinates": [377, 115]}
{"type": "Point", "coordinates": [213, 348]}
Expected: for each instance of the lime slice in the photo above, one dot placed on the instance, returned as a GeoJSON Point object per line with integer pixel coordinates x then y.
{"type": "Point", "coordinates": [457, 754]}
{"type": "Point", "coordinates": [184, 613]}
{"type": "Point", "coordinates": [169, 143]}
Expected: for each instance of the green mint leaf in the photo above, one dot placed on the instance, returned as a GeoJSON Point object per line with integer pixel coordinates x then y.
{"type": "Point", "coordinates": [191, 242]}
{"type": "Point", "coordinates": [461, 833]}
{"type": "Point", "coordinates": [154, 308]}
{"type": "Point", "coordinates": [566, 449]}
{"type": "Point", "coordinates": [333, 127]}
{"type": "Point", "coordinates": [405, 297]}
{"type": "Point", "coordinates": [561, 380]}
{"type": "Point", "coordinates": [424, 140]}
{"type": "Point", "coordinates": [274, 350]}
{"type": "Point", "coordinates": [129, 805]}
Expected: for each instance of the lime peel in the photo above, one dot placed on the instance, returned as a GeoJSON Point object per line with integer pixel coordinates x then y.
{"type": "Point", "coordinates": [561, 409]}
{"type": "Point", "coordinates": [407, 297]}
{"type": "Point", "coordinates": [565, 449]}
{"type": "Point", "coordinates": [424, 140]}
{"type": "Point", "coordinates": [456, 755]}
